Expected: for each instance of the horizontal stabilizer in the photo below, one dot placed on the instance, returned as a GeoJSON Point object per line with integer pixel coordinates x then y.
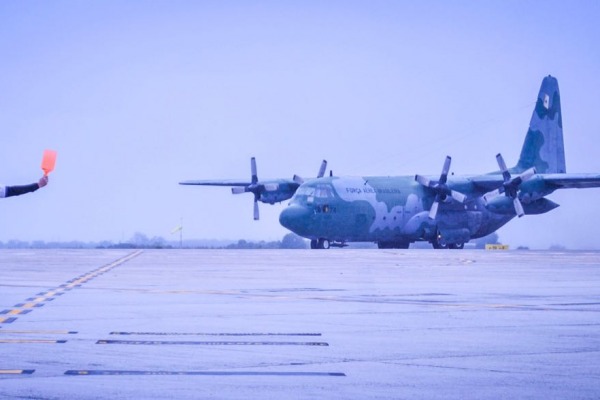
{"type": "Point", "coordinates": [572, 181]}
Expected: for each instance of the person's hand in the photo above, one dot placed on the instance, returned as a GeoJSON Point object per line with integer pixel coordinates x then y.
{"type": "Point", "coordinates": [43, 181]}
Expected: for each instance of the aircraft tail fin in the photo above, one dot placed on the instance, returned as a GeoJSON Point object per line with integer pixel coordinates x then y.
{"type": "Point", "coordinates": [544, 147]}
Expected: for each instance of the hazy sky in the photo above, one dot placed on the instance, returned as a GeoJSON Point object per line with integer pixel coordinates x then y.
{"type": "Point", "coordinates": [138, 95]}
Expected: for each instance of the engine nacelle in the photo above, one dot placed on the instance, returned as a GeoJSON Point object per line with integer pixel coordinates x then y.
{"type": "Point", "coordinates": [420, 226]}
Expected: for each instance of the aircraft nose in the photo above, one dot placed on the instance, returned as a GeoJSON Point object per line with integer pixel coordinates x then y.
{"type": "Point", "coordinates": [294, 218]}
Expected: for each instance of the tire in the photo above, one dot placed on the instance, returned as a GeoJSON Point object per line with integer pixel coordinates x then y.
{"type": "Point", "coordinates": [437, 245]}
{"type": "Point", "coordinates": [324, 244]}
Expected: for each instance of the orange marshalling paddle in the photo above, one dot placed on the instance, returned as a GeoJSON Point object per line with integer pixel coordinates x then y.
{"type": "Point", "coordinates": [48, 161]}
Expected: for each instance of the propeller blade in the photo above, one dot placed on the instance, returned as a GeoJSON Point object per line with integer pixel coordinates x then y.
{"type": "Point", "coordinates": [441, 189]}
{"type": "Point", "coordinates": [238, 190]}
{"type": "Point", "coordinates": [445, 170]}
{"type": "Point", "coordinates": [322, 169]}
{"type": "Point", "coordinates": [298, 179]}
{"type": "Point", "coordinates": [434, 209]}
{"type": "Point", "coordinates": [256, 214]}
{"type": "Point", "coordinates": [458, 196]}
{"type": "Point", "coordinates": [518, 207]}
{"type": "Point", "coordinates": [253, 170]}
{"type": "Point", "coordinates": [503, 167]}
{"type": "Point", "coordinates": [501, 162]}
{"type": "Point", "coordinates": [422, 180]}
{"type": "Point", "coordinates": [528, 174]}
{"type": "Point", "coordinates": [491, 195]}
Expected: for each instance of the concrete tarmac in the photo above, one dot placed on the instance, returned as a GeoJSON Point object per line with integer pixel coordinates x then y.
{"type": "Point", "coordinates": [306, 324]}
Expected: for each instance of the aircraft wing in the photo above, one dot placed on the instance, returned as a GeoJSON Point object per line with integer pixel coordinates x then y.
{"type": "Point", "coordinates": [486, 183]}
{"type": "Point", "coordinates": [222, 182]}
{"type": "Point", "coordinates": [571, 181]}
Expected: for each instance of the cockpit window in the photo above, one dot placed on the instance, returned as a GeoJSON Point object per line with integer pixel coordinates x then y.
{"type": "Point", "coordinates": [310, 194]}
{"type": "Point", "coordinates": [305, 191]}
{"type": "Point", "coordinates": [323, 192]}
{"type": "Point", "coordinates": [303, 194]}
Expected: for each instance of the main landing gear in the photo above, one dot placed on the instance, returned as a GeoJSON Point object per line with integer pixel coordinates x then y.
{"type": "Point", "coordinates": [325, 244]}
{"type": "Point", "coordinates": [320, 244]}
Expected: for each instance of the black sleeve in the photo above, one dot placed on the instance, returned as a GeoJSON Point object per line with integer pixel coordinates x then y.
{"type": "Point", "coordinates": [18, 190]}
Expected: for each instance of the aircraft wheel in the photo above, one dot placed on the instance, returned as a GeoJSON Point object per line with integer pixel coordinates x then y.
{"type": "Point", "coordinates": [458, 246]}
{"type": "Point", "coordinates": [439, 244]}
{"type": "Point", "coordinates": [314, 244]}
{"type": "Point", "coordinates": [324, 244]}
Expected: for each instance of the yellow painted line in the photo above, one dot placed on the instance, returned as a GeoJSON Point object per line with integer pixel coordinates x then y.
{"type": "Point", "coordinates": [47, 296]}
{"type": "Point", "coordinates": [35, 341]}
{"type": "Point", "coordinates": [16, 371]}
{"type": "Point", "coordinates": [40, 332]}
{"type": "Point", "coordinates": [38, 300]}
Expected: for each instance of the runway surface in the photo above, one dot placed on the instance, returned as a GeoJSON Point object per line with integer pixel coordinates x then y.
{"type": "Point", "coordinates": [250, 324]}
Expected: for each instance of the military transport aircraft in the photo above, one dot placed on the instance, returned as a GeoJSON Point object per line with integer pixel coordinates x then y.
{"type": "Point", "coordinates": [445, 211]}
{"type": "Point", "coordinates": [268, 191]}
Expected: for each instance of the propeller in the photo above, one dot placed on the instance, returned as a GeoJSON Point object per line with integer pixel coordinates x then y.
{"type": "Point", "coordinates": [254, 187]}
{"type": "Point", "coordinates": [257, 188]}
{"type": "Point", "coordinates": [299, 180]}
{"type": "Point", "coordinates": [510, 186]}
{"type": "Point", "coordinates": [441, 189]}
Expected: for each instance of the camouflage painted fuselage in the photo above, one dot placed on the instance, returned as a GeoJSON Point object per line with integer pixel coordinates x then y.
{"type": "Point", "coordinates": [387, 210]}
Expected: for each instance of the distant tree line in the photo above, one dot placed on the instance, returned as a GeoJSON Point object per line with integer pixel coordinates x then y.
{"type": "Point", "coordinates": [289, 241]}
{"type": "Point", "coordinates": [141, 241]}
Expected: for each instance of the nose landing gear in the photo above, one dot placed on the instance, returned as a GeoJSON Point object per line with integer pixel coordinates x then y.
{"type": "Point", "coordinates": [440, 243]}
